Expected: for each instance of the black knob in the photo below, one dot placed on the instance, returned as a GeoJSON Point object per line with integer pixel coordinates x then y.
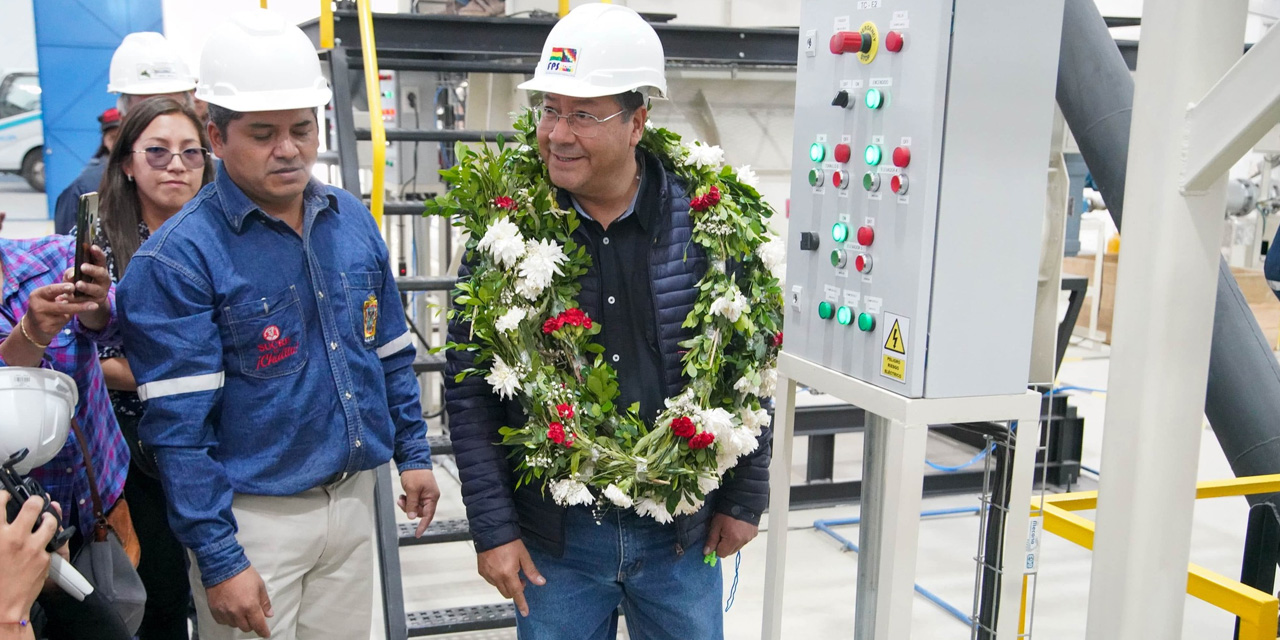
{"type": "Point", "coordinates": [841, 100]}
{"type": "Point", "coordinates": [866, 42]}
{"type": "Point", "coordinates": [808, 241]}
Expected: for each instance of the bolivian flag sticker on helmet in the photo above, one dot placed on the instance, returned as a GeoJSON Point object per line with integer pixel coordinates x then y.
{"type": "Point", "coordinates": [370, 319]}
{"type": "Point", "coordinates": [563, 61]}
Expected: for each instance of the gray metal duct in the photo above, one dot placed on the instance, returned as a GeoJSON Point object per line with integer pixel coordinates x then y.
{"type": "Point", "coordinates": [1095, 92]}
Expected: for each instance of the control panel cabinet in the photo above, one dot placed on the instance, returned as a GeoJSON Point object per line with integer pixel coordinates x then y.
{"type": "Point", "coordinates": [918, 190]}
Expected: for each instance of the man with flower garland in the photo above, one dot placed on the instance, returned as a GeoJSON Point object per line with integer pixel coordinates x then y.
{"type": "Point", "coordinates": [568, 569]}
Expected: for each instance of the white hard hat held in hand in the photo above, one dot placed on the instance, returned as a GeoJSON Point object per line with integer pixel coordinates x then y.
{"type": "Point", "coordinates": [36, 407]}
{"type": "Point", "coordinates": [257, 61]}
{"type": "Point", "coordinates": [601, 50]}
{"type": "Point", "coordinates": [146, 64]}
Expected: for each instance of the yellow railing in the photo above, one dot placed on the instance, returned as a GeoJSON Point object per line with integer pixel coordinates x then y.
{"type": "Point", "coordinates": [1257, 610]}
{"type": "Point", "coordinates": [372, 90]}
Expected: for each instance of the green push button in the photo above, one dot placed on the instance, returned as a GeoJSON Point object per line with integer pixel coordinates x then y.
{"type": "Point", "coordinates": [817, 152]}
{"type": "Point", "coordinates": [844, 315]}
{"type": "Point", "coordinates": [824, 310]}
{"type": "Point", "coordinates": [875, 99]}
{"type": "Point", "coordinates": [815, 177]}
{"type": "Point", "coordinates": [839, 232]}
{"type": "Point", "coordinates": [867, 322]}
{"type": "Point", "coordinates": [872, 155]}
{"type": "Point", "coordinates": [839, 258]}
{"type": "Point", "coordinates": [871, 181]}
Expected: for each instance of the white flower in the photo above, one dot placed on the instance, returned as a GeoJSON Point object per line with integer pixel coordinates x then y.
{"type": "Point", "coordinates": [717, 266]}
{"type": "Point", "coordinates": [744, 385]}
{"type": "Point", "coordinates": [617, 496]}
{"type": "Point", "coordinates": [702, 155]}
{"type": "Point", "coordinates": [753, 420]}
{"type": "Point", "coordinates": [503, 242]}
{"type": "Point", "coordinates": [707, 484]}
{"type": "Point", "coordinates": [686, 508]}
{"type": "Point", "coordinates": [768, 383]}
{"type": "Point", "coordinates": [718, 421]}
{"type": "Point", "coordinates": [523, 149]}
{"type": "Point", "coordinates": [511, 319]}
{"type": "Point", "coordinates": [747, 176]}
{"type": "Point", "coordinates": [528, 289]}
{"type": "Point", "coordinates": [647, 507]}
{"type": "Point", "coordinates": [570, 492]}
{"type": "Point", "coordinates": [731, 305]}
{"type": "Point", "coordinates": [504, 379]}
{"type": "Point", "coordinates": [773, 253]}
{"type": "Point", "coordinates": [541, 262]}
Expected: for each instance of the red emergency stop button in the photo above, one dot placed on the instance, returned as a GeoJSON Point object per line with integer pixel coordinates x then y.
{"type": "Point", "coordinates": [866, 235]}
{"type": "Point", "coordinates": [862, 263]}
{"type": "Point", "coordinates": [843, 153]}
{"type": "Point", "coordinates": [893, 41]}
{"type": "Point", "coordinates": [899, 185]}
{"type": "Point", "coordinates": [902, 157]}
{"type": "Point", "coordinates": [849, 42]}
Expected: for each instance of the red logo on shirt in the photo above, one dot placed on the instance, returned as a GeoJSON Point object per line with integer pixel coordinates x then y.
{"type": "Point", "coordinates": [271, 333]}
{"type": "Point", "coordinates": [274, 348]}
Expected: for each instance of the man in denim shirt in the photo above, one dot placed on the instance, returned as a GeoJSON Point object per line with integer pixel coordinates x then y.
{"type": "Point", "coordinates": [267, 336]}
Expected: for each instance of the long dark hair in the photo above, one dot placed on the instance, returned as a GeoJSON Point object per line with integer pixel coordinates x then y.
{"type": "Point", "coordinates": [121, 208]}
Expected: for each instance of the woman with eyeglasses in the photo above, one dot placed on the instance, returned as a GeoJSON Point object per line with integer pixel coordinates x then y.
{"type": "Point", "coordinates": [159, 164]}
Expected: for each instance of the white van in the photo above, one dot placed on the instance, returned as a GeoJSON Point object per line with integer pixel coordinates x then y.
{"type": "Point", "coordinates": [21, 128]}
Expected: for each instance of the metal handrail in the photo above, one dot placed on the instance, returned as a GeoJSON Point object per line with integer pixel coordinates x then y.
{"type": "Point", "coordinates": [369, 50]}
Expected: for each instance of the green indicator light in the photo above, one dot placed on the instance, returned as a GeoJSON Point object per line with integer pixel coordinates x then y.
{"type": "Point", "coordinates": [817, 152]}
{"type": "Point", "coordinates": [824, 310]}
{"type": "Point", "coordinates": [844, 315]}
{"type": "Point", "coordinates": [872, 155]}
{"type": "Point", "coordinates": [866, 322]}
{"type": "Point", "coordinates": [875, 99]}
{"type": "Point", "coordinates": [839, 232]}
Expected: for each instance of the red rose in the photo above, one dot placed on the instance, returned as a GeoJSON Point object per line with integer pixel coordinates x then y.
{"type": "Point", "coordinates": [683, 427]}
{"type": "Point", "coordinates": [565, 411]}
{"type": "Point", "coordinates": [586, 324]}
{"type": "Point", "coordinates": [701, 441]}
{"type": "Point", "coordinates": [575, 317]}
{"type": "Point", "coordinates": [568, 441]}
{"type": "Point", "coordinates": [552, 325]}
{"type": "Point", "coordinates": [555, 433]}
{"type": "Point", "coordinates": [777, 339]}
{"type": "Point", "coordinates": [713, 197]}
{"type": "Point", "coordinates": [699, 203]}
{"type": "Point", "coordinates": [503, 202]}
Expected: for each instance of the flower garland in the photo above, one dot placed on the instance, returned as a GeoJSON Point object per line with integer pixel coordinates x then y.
{"type": "Point", "coordinates": [533, 343]}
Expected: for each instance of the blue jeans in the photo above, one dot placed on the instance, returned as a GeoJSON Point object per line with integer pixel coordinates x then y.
{"type": "Point", "coordinates": [622, 560]}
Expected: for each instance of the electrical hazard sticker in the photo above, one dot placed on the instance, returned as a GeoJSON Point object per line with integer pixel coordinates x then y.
{"type": "Point", "coordinates": [893, 357]}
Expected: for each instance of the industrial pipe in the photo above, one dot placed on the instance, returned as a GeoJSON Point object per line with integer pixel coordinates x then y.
{"type": "Point", "coordinates": [1095, 93]}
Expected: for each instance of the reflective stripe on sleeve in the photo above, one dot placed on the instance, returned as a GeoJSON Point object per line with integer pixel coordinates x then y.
{"type": "Point", "coordinates": [175, 386]}
{"type": "Point", "coordinates": [394, 347]}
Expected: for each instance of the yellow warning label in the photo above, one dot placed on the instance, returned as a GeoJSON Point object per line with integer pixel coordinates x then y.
{"type": "Point", "coordinates": [895, 368]}
{"type": "Point", "coordinates": [894, 342]}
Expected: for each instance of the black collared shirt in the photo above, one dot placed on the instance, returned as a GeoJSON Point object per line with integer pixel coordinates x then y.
{"type": "Point", "coordinates": [620, 258]}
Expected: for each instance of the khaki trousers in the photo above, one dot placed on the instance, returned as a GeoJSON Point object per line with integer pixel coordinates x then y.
{"type": "Point", "coordinates": [315, 552]}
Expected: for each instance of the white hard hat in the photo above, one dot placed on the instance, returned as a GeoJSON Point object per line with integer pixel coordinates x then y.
{"type": "Point", "coordinates": [36, 407]}
{"type": "Point", "coordinates": [257, 61]}
{"type": "Point", "coordinates": [145, 64]}
{"type": "Point", "coordinates": [600, 50]}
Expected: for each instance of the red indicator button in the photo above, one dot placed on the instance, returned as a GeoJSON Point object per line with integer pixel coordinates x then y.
{"type": "Point", "coordinates": [901, 157]}
{"type": "Point", "coordinates": [862, 263]}
{"type": "Point", "coordinates": [893, 41]}
{"type": "Point", "coordinates": [843, 152]}
{"type": "Point", "coordinates": [840, 180]}
{"type": "Point", "coordinates": [846, 42]}
{"type": "Point", "coordinates": [866, 235]}
{"type": "Point", "coordinates": [899, 185]}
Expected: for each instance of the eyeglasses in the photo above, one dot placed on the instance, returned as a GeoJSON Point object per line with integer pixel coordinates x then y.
{"type": "Point", "coordinates": [160, 157]}
{"type": "Point", "coordinates": [581, 123]}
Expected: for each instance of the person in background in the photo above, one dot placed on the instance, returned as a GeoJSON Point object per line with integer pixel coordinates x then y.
{"type": "Point", "coordinates": [145, 65]}
{"type": "Point", "coordinates": [26, 565]}
{"type": "Point", "coordinates": [90, 177]}
{"type": "Point", "coordinates": [161, 162]}
{"type": "Point", "coordinates": [265, 331]}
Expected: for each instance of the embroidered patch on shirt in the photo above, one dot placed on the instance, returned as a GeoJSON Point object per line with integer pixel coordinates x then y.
{"type": "Point", "coordinates": [275, 348]}
{"type": "Point", "coordinates": [370, 319]}
{"type": "Point", "coordinates": [563, 61]}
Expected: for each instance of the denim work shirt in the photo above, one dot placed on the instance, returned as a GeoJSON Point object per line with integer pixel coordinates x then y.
{"type": "Point", "coordinates": [269, 361]}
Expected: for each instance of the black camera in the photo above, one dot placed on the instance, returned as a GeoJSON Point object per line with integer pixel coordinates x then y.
{"type": "Point", "coordinates": [20, 490]}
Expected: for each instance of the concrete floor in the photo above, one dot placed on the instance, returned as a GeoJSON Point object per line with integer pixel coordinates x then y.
{"type": "Point", "coordinates": [821, 575]}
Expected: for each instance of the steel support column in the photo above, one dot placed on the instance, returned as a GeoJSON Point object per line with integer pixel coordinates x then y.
{"type": "Point", "coordinates": [1163, 328]}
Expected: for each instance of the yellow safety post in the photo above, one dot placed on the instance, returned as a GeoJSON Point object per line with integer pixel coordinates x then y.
{"type": "Point", "coordinates": [376, 127]}
{"type": "Point", "coordinates": [564, 8]}
{"type": "Point", "coordinates": [263, 3]}
{"type": "Point", "coordinates": [326, 24]}
{"type": "Point", "coordinates": [1257, 610]}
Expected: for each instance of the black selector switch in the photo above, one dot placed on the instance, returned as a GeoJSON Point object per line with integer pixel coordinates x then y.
{"type": "Point", "coordinates": [808, 241]}
{"type": "Point", "coordinates": [841, 100]}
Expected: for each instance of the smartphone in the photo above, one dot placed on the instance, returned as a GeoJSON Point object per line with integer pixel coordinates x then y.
{"type": "Point", "coordinates": [86, 222]}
